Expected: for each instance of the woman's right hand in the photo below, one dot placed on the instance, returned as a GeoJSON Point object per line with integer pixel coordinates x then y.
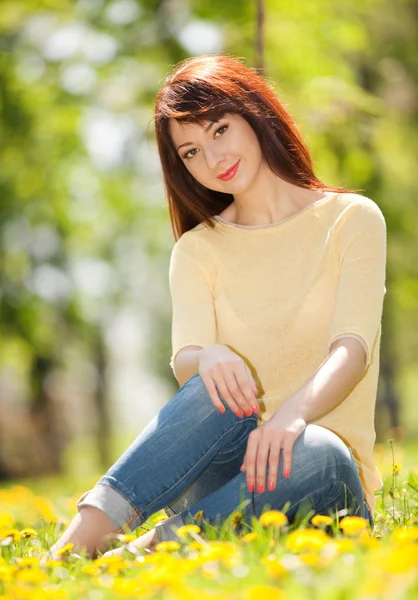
{"type": "Point", "coordinates": [224, 371]}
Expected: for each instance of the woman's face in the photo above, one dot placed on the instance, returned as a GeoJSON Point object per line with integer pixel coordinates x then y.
{"type": "Point", "coordinates": [209, 149]}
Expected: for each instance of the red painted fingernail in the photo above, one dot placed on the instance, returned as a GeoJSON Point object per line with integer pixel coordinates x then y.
{"type": "Point", "coordinates": [260, 488]}
{"type": "Point", "coordinates": [271, 486]}
{"type": "Point", "coordinates": [222, 409]}
{"type": "Point", "coordinates": [239, 413]}
{"type": "Point", "coordinates": [256, 409]}
{"type": "Point", "coordinates": [248, 413]}
{"type": "Point", "coordinates": [286, 473]}
{"type": "Point", "coordinates": [251, 487]}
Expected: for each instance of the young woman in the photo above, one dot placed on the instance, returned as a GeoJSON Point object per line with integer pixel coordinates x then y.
{"type": "Point", "coordinates": [277, 283]}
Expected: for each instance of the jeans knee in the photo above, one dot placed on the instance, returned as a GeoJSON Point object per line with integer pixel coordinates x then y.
{"type": "Point", "coordinates": [195, 391]}
{"type": "Point", "coordinates": [323, 449]}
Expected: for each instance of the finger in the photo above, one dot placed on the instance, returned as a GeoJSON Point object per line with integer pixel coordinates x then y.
{"type": "Point", "coordinates": [245, 382]}
{"type": "Point", "coordinates": [288, 444]}
{"type": "Point", "coordinates": [261, 462]}
{"type": "Point", "coordinates": [253, 383]}
{"type": "Point", "coordinates": [274, 459]}
{"type": "Point", "coordinates": [244, 395]}
{"type": "Point", "coordinates": [213, 393]}
{"type": "Point", "coordinates": [236, 392]}
{"type": "Point", "coordinates": [228, 397]}
{"type": "Point", "coordinates": [250, 458]}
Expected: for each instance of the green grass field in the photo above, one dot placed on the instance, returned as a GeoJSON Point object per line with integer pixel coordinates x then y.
{"type": "Point", "coordinates": [330, 558]}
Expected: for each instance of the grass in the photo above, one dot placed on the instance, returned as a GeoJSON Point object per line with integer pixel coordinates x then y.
{"type": "Point", "coordinates": [329, 558]}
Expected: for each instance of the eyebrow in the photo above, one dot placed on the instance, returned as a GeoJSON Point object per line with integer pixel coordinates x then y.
{"type": "Point", "coordinates": [206, 130]}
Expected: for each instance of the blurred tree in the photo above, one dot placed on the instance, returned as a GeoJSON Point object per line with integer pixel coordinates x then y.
{"type": "Point", "coordinates": [84, 231]}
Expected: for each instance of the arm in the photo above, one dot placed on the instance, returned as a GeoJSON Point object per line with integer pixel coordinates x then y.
{"type": "Point", "coordinates": [332, 382]}
{"type": "Point", "coordinates": [361, 246]}
{"type": "Point", "coordinates": [186, 363]}
{"type": "Point", "coordinates": [191, 277]}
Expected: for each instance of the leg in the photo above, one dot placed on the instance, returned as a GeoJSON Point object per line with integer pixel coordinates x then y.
{"type": "Point", "coordinates": [165, 460]}
{"type": "Point", "coordinates": [324, 478]}
{"type": "Point", "coordinates": [225, 465]}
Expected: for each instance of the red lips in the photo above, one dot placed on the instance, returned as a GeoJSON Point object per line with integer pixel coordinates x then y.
{"type": "Point", "coordinates": [229, 173]}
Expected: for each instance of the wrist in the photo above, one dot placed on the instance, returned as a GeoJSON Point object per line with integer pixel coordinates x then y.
{"type": "Point", "coordinates": [295, 405]}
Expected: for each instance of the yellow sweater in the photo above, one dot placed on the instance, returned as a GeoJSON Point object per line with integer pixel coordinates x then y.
{"type": "Point", "coordinates": [279, 295]}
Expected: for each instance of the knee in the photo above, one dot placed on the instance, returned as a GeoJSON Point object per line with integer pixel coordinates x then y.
{"type": "Point", "coordinates": [322, 453]}
{"type": "Point", "coordinates": [194, 391]}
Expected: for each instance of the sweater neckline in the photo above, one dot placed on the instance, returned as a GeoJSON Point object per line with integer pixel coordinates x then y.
{"type": "Point", "coordinates": [278, 223]}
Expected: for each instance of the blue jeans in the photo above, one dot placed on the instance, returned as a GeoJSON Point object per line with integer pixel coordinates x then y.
{"type": "Point", "coordinates": [188, 458]}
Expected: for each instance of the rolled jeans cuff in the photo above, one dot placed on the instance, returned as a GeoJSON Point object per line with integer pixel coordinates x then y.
{"type": "Point", "coordinates": [118, 508]}
{"type": "Point", "coordinates": [166, 530]}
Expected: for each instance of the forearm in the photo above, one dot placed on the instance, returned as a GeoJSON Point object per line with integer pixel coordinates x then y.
{"type": "Point", "coordinates": [186, 363]}
{"type": "Point", "coordinates": [331, 383]}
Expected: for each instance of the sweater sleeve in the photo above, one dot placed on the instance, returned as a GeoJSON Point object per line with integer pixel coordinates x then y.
{"type": "Point", "coordinates": [191, 290]}
{"type": "Point", "coordinates": [361, 246]}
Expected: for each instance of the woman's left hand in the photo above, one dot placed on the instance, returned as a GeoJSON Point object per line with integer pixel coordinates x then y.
{"type": "Point", "coordinates": [265, 443]}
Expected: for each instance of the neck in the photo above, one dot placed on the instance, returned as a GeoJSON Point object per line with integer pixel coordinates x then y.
{"type": "Point", "coordinates": [270, 199]}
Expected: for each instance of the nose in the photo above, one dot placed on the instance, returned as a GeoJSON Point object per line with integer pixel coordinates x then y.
{"type": "Point", "coordinates": [213, 158]}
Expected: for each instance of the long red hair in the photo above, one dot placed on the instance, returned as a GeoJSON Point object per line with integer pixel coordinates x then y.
{"type": "Point", "coordinates": [205, 88]}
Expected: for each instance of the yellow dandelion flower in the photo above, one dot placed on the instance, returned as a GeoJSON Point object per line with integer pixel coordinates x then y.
{"type": "Point", "coordinates": [274, 567]}
{"type": "Point", "coordinates": [249, 537]}
{"type": "Point", "coordinates": [273, 518]}
{"type": "Point", "coordinates": [237, 519]}
{"type": "Point", "coordinates": [108, 560]}
{"type": "Point", "coordinates": [53, 563]}
{"type": "Point", "coordinates": [128, 587]}
{"type": "Point", "coordinates": [319, 520]}
{"type": "Point", "coordinates": [14, 534]}
{"type": "Point", "coordinates": [195, 545]}
{"type": "Point", "coordinates": [368, 541]}
{"type": "Point", "coordinates": [44, 507]}
{"type": "Point", "coordinates": [28, 561]}
{"type": "Point", "coordinates": [167, 546]}
{"type": "Point", "coordinates": [311, 559]}
{"type": "Point", "coordinates": [7, 520]}
{"type": "Point", "coordinates": [127, 537]}
{"type": "Point", "coordinates": [344, 545]}
{"type": "Point", "coordinates": [307, 540]}
{"type": "Point", "coordinates": [401, 559]}
{"type": "Point", "coordinates": [65, 549]}
{"type": "Point", "coordinates": [6, 575]}
{"type": "Point", "coordinates": [264, 592]}
{"type": "Point", "coordinates": [185, 529]}
{"type": "Point", "coordinates": [404, 535]}
{"type": "Point", "coordinates": [396, 468]}
{"type": "Point", "coordinates": [218, 550]}
{"type": "Point", "coordinates": [354, 525]}
{"type": "Point", "coordinates": [31, 576]}
{"type": "Point", "coordinates": [113, 569]}
{"type": "Point", "coordinates": [28, 533]}
{"type": "Point", "coordinates": [91, 569]}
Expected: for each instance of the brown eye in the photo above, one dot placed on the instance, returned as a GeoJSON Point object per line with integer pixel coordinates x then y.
{"type": "Point", "coordinates": [220, 128]}
{"type": "Point", "coordinates": [187, 157]}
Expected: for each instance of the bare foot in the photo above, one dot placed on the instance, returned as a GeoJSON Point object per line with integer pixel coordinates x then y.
{"type": "Point", "coordinates": [145, 541]}
{"type": "Point", "coordinates": [90, 530]}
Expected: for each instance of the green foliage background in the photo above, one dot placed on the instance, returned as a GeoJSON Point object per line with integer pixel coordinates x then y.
{"type": "Point", "coordinates": [84, 228]}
